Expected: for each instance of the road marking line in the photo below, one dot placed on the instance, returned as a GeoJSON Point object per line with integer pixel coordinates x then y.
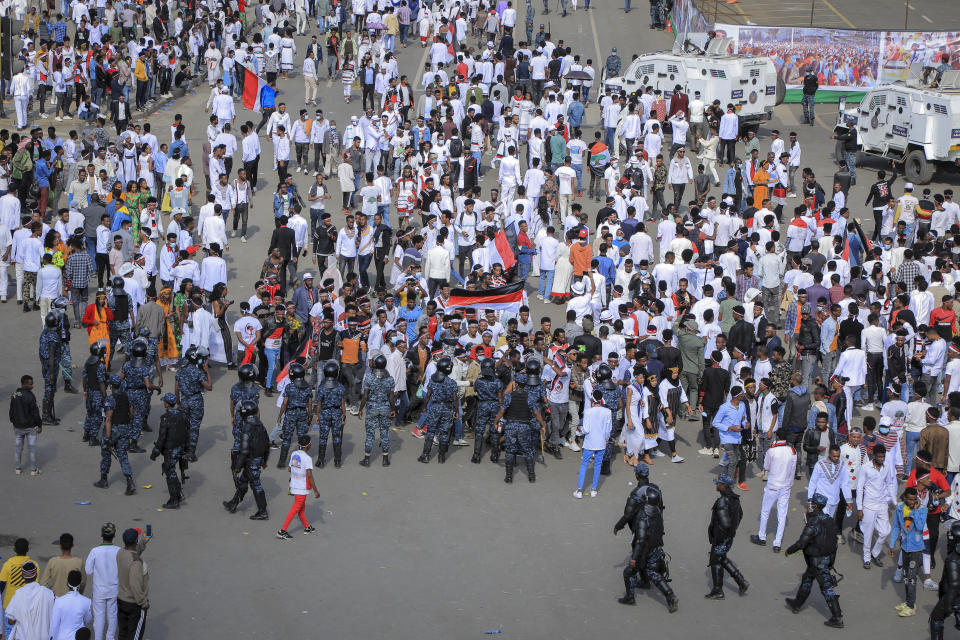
{"type": "Point", "coordinates": [926, 18]}
{"type": "Point", "coordinates": [839, 15]}
{"type": "Point", "coordinates": [596, 44]}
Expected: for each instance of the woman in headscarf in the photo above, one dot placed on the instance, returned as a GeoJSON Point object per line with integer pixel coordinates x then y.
{"type": "Point", "coordinates": [168, 351]}
{"type": "Point", "coordinates": [761, 184]}
{"type": "Point", "coordinates": [97, 318]}
{"type": "Point", "coordinates": [632, 436]}
{"type": "Point", "coordinates": [179, 308]}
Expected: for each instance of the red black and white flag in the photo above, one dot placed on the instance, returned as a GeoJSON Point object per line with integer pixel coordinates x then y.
{"type": "Point", "coordinates": [506, 298]}
{"type": "Point", "coordinates": [252, 86]}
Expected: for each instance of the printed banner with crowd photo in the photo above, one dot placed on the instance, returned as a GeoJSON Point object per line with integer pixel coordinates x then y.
{"type": "Point", "coordinates": [845, 61]}
{"type": "Point", "coordinates": [685, 17]}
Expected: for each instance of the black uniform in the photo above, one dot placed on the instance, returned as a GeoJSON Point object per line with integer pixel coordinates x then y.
{"type": "Point", "coordinates": [246, 467]}
{"type": "Point", "coordinates": [633, 506]}
{"type": "Point", "coordinates": [647, 557]}
{"type": "Point", "coordinates": [948, 594]}
{"type": "Point", "coordinates": [171, 441]}
{"type": "Point", "coordinates": [818, 541]}
{"type": "Point", "coordinates": [724, 521]}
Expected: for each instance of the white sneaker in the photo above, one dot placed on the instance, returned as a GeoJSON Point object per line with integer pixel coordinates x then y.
{"type": "Point", "coordinates": [316, 173]}
{"type": "Point", "coordinates": [659, 454]}
{"type": "Point", "coordinates": [68, 117]}
{"type": "Point", "coordinates": [460, 442]}
{"type": "Point", "coordinates": [898, 575]}
{"type": "Point", "coordinates": [716, 453]}
{"type": "Point", "coordinates": [572, 445]}
{"type": "Point", "coordinates": [791, 195]}
{"type": "Point", "coordinates": [58, 119]}
{"type": "Point", "coordinates": [676, 459]}
{"type": "Point", "coordinates": [867, 407]}
{"type": "Point", "coordinates": [243, 238]}
{"type": "Point", "coordinates": [929, 585]}
{"type": "Point", "coordinates": [593, 493]}
{"type": "Point", "coordinates": [705, 451]}
{"type": "Point", "coordinates": [578, 494]}
{"type": "Point", "coordinates": [233, 234]}
{"type": "Point", "coordinates": [35, 472]}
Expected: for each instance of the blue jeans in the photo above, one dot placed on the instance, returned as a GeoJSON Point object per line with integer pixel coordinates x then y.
{"type": "Point", "coordinates": [588, 455]}
{"type": "Point", "coordinates": [523, 269]}
{"type": "Point", "coordinates": [611, 132]}
{"type": "Point", "coordinates": [384, 210]}
{"type": "Point", "coordinates": [546, 282]}
{"type": "Point", "coordinates": [908, 232]}
{"type": "Point", "coordinates": [478, 157]}
{"type": "Point", "coordinates": [913, 442]}
{"type": "Point", "coordinates": [850, 157]}
{"type": "Point", "coordinates": [404, 405]}
{"type": "Point", "coordinates": [404, 28]}
{"type": "Point", "coordinates": [807, 103]}
{"type": "Point", "coordinates": [92, 248]}
{"type": "Point", "coordinates": [363, 263]}
{"type": "Point", "coordinates": [579, 169]}
{"type": "Point", "coordinates": [272, 355]}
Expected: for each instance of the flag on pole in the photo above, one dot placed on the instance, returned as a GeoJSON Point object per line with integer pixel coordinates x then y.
{"type": "Point", "coordinates": [502, 246]}
{"type": "Point", "coordinates": [506, 298]}
{"type": "Point", "coordinates": [252, 86]}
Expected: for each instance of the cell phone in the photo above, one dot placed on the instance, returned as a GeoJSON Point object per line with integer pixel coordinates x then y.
{"type": "Point", "coordinates": [149, 530]}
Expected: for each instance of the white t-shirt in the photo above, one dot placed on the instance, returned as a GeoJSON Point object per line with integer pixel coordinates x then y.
{"type": "Point", "coordinates": [300, 464]}
{"type": "Point", "coordinates": [566, 177]}
{"type": "Point", "coordinates": [247, 328]}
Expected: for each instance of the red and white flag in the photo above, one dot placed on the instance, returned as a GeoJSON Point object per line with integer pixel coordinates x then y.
{"type": "Point", "coordinates": [252, 85]}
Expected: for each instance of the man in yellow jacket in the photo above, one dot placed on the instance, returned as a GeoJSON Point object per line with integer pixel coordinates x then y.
{"type": "Point", "coordinates": [142, 76]}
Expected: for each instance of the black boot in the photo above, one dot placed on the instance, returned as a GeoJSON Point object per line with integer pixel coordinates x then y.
{"type": "Point", "coordinates": [672, 601]}
{"type": "Point", "coordinates": [321, 456]}
{"type": "Point", "coordinates": [737, 577]}
{"type": "Point", "coordinates": [442, 456]}
{"type": "Point", "coordinates": [836, 616]}
{"type": "Point", "coordinates": [136, 448]}
{"type": "Point", "coordinates": [173, 486]}
{"type": "Point", "coordinates": [531, 470]}
{"type": "Point", "coordinates": [716, 576]}
{"type": "Point", "coordinates": [191, 454]}
{"type": "Point", "coordinates": [508, 462]}
{"type": "Point", "coordinates": [386, 460]}
{"type": "Point", "coordinates": [53, 411]}
{"type": "Point", "coordinates": [93, 441]}
{"type": "Point", "coordinates": [936, 630]}
{"type": "Point", "coordinates": [231, 504]}
{"type": "Point", "coordinates": [282, 458]}
{"type": "Point", "coordinates": [337, 455]}
{"type": "Point", "coordinates": [102, 482]}
{"type": "Point", "coordinates": [797, 602]}
{"type": "Point", "coordinates": [46, 417]}
{"type": "Point", "coordinates": [628, 597]}
{"type": "Point", "coordinates": [494, 449]}
{"type": "Point", "coordinates": [427, 445]}
{"type": "Point", "coordinates": [86, 437]}
{"type": "Point", "coordinates": [366, 460]}
{"type": "Point", "coordinates": [261, 513]}
{"type": "Point", "coordinates": [68, 387]}
{"type": "Point", "coordinates": [131, 489]}
{"type": "Point", "coordinates": [477, 450]}
{"type": "Point", "coordinates": [607, 457]}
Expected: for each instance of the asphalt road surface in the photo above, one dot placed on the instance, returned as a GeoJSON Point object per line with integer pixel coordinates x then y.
{"type": "Point", "coordinates": [422, 551]}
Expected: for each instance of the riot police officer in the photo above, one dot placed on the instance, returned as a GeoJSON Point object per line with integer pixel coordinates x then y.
{"type": "Point", "coordinates": [50, 352]}
{"type": "Point", "coordinates": [192, 379]}
{"type": "Point", "coordinates": [647, 557]}
{"type": "Point", "coordinates": [295, 410]}
{"type": "Point", "coordinates": [642, 473]}
{"type": "Point", "coordinates": [489, 398]}
{"type": "Point", "coordinates": [331, 413]}
{"type": "Point", "coordinates": [251, 458]}
{"type": "Point", "coordinates": [612, 66]}
{"type": "Point", "coordinates": [442, 411]}
{"type": "Point", "coordinates": [94, 381]}
{"type": "Point", "coordinates": [520, 409]}
{"type": "Point", "coordinates": [244, 389]}
{"type": "Point", "coordinates": [725, 519]}
{"type": "Point", "coordinates": [137, 376]}
{"type": "Point", "coordinates": [378, 394]}
{"type": "Point", "coordinates": [171, 439]}
{"type": "Point", "coordinates": [59, 309]}
{"type": "Point", "coordinates": [117, 434]}
{"type": "Point", "coordinates": [613, 400]}
{"type": "Point", "coordinates": [949, 584]}
{"type": "Point", "coordinates": [121, 306]}
{"type": "Point", "coordinates": [818, 541]}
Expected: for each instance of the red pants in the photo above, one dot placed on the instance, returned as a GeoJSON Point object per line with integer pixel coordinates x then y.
{"type": "Point", "coordinates": [42, 203]}
{"type": "Point", "coordinates": [298, 509]}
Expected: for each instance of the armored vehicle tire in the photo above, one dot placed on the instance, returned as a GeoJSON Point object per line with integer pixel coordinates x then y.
{"type": "Point", "coordinates": [917, 168]}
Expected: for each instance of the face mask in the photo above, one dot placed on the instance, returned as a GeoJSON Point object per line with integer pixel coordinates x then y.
{"type": "Point", "coordinates": [884, 430]}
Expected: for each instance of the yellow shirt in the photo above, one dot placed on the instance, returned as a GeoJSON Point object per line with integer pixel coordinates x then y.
{"type": "Point", "coordinates": [10, 574]}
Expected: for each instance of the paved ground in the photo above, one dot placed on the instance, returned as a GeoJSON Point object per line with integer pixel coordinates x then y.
{"type": "Point", "coordinates": [413, 550]}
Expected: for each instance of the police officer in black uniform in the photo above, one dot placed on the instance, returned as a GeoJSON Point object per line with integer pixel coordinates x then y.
{"type": "Point", "coordinates": [818, 541]}
{"type": "Point", "coordinates": [630, 509]}
{"type": "Point", "coordinates": [613, 400]}
{"type": "Point", "coordinates": [724, 521]}
{"type": "Point", "coordinates": [94, 379]}
{"type": "Point", "coordinates": [647, 558]}
{"type": "Point", "coordinates": [949, 591]}
{"type": "Point", "coordinates": [251, 458]}
{"type": "Point", "coordinates": [171, 443]}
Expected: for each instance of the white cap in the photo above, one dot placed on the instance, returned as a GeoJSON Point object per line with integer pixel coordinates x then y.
{"type": "Point", "coordinates": [308, 276]}
{"type": "Point", "coordinates": [908, 186]}
{"type": "Point", "coordinates": [126, 268]}
{"type": "Point", "coordinates": [577, 287]}
{"type": "Point", "coordinates": [751, 294]}
{"type": "Point", "coordinates": [728, 201]}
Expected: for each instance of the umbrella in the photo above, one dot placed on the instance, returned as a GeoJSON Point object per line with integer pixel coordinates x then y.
{"type": "Point", "coordinates": [578, 75]}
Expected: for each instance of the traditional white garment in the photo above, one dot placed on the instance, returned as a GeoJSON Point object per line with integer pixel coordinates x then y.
{"type": "Point", "coordinates": [31, 607]}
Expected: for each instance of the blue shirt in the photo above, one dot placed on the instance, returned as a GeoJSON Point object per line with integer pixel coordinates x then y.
{"type": "Point", "coordinates": [268, 97]}
{"type": "Point", "coordinates": [911, 540]}
{"type": "Point", "coordinates": [181, 146]}
{"type": "Point", "coordinates": [605, 268]}
{"type": "Point", "coordinates": [411, 316]}
{"type": "Point", "coordinates": [42, 173]}
{"type": "Point", "coordinates": [730, 416]}
{"type": "Point", "coordinates": [575, 113]}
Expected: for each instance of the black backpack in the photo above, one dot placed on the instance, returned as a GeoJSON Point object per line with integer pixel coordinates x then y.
{"type": "Point", "coordinates": [456, 147]}
{"type": "Point", "coordinates": [177, 427]}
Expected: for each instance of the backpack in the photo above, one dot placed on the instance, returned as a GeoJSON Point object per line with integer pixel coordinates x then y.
{"type": "Point", "coordinates": [456, 147]}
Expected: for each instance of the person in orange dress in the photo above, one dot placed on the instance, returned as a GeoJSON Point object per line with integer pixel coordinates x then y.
{"type": "Point", "coordinates": [97, 318]}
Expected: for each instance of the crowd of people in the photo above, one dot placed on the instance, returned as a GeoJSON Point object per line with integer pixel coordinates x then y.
{"type": "Point", "coordinates": [776, 330]}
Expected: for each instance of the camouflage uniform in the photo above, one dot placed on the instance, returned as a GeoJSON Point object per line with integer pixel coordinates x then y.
{"type": "Point", "coordinates": [331, 418]}
{"type": "Point", "coordinates": [488, 403]}
{"type": "Point", "coordinates": [443, 398]}
{"type": "Point", "coordinates": [378, 411]}
{"type": "Point", "coordinates": [50, 347]}
{"type": "Point", "coordinates": [190, 379]}
{"type": "Point", "coordinates": [295, 416]}
{"type": "Point", "coordinates": [95, 375]}
{"type": "Point", "coordinates": [120, 438]}
{"type": "Point", "coordinates": [119, 327]}
{"type": "Point", "coordinates": [139, 395]}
